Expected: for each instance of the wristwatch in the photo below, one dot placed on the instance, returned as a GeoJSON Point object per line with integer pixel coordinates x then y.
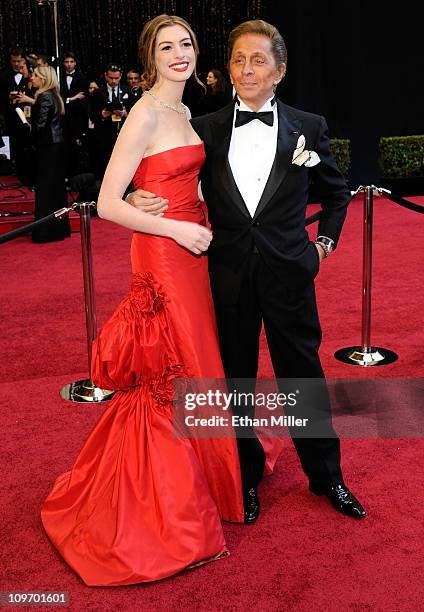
{"type": "Point", "coordinates": [326, 243]}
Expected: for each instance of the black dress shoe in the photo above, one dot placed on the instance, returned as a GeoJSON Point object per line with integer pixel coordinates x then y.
{"type": "Point", "coordinates": [342, 499]}
{"type": "Point", "coordinates": [251, 506]}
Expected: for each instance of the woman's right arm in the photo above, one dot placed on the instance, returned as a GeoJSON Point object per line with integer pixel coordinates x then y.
{"type": "Point", "coordinates": [129, 149]}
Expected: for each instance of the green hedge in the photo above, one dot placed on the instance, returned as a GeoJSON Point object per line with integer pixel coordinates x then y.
{"type": "Point", "coordinates": [401, 156]}
{"type": "Point", "coordinates": [340, 148]}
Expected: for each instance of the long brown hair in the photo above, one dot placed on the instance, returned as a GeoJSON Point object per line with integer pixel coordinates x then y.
{"type": "Point", "coordinates": [146, 47]}
{"type": "Point", "coordinates": [50, 83]}
{"type": "Point", "coordinates": [221, 83]}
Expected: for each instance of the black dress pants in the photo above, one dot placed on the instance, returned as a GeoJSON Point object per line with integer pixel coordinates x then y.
{"type": "Point", "coordinates": [293, 333]}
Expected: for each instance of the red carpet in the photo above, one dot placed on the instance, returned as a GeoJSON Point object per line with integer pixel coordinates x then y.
{"type": "Point", "coordinates": [301, 555]}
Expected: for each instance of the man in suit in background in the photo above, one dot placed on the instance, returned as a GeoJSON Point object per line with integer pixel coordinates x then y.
{"type": "Point", "coordinates": [10, 77]}
{"type": "Point", "coordinates": [133, 78]}
{"type": "Point", "coordinates": [111, 104]}
{"type": "Point", "coordinates": [133, 82]}
{"type": "Point", "coordinates": [260, 158]}
{"type": "Point", "coordinates": [11, 83]}
{"type": "Point", "coordinates": [43, 60]}
{"type": "Point", "coordinates": [74, 90]}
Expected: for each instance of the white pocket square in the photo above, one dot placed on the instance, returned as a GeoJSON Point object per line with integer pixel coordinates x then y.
{"type": "Point", "coordinates": [300, 143]}
{"type": "Point", "coordinates": [313, 160]}
{"type": "Point", "coordinates": [302, 157]}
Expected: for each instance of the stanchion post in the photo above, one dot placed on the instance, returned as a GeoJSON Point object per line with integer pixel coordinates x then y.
{"type": "Point", "coordinates": [87, 266]}
{"type": "Point", "coordinates": [85, 390]}
{"type": "Point", "coordinates": [366, 355]}
{"type": "Point", "coordinates": [367, 267]}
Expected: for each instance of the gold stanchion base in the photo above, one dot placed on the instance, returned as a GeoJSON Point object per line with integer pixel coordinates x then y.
{"type": "Point", "coordinates": [360, 356]}
{"type": "Point", "coordinates": [85, 391]}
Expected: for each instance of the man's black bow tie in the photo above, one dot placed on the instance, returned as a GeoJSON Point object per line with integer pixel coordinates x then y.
{"type": "Point", "coordinates": [243, 117]}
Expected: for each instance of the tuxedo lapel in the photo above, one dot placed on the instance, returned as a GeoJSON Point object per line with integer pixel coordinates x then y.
{"type": "Point", "coordinates": [288, 134]}
{"type": "Point", "coordinates": [222, 132]}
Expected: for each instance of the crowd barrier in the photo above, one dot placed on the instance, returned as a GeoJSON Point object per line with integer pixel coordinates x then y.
{"type": "Point", "coordinates": [365, 354]}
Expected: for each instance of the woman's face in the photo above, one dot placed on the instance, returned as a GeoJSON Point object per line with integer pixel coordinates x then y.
{"type": "Point", "coordinates": [36, 80]}
{"type": "Point", "coordinates": [92, 87]}
{"type": "Point", "coordinates": [175, 59]}
{"type": "Point", "coordinates": [211, 79]}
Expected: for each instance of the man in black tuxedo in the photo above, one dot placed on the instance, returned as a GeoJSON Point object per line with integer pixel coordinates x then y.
{"type": "Point", "coordinates": [260, 158]}
{"type": "Point", "coordinates": [110, 106]}
{"type": "Point", "coordinates": [133, 82]}
{"type": "Point", "coordinates": [10, 77]}
{"type": "Point", "coordinates": [11, 83]}
{"type": "Point", "coordinates": [74, 91]}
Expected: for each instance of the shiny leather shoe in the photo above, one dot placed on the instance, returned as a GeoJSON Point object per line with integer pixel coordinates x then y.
{"type": "Point", "coordinates": [342, 499]}
{"type": "Point", "coordinates": [251, 506]}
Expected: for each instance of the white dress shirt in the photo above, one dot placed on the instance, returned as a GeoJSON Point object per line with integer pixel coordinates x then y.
{"type": "Point", "coordinates": [251, 154]}
{"type": "Point", "coordinates": [69, 78]}
{"type": "Point", "coordinates": [110, 90]}
{"type": "Point", "coordinates": [18, 78]}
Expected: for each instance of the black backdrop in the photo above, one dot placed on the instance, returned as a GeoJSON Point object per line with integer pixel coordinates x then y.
{"type": "Point", "coordinates": [358, 63]}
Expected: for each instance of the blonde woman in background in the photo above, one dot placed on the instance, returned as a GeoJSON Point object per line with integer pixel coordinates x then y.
{"type": "Point", "coordinates": [47, 137]}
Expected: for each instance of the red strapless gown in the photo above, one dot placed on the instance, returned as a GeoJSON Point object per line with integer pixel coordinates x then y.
{"type": "Point", "coordinates": [139, 503]}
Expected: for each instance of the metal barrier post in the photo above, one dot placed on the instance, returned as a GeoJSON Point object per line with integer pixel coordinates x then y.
{"type": "Point", "coordinates": [85, 390]}
{"type": "Point", "coordinates": [366, 355]}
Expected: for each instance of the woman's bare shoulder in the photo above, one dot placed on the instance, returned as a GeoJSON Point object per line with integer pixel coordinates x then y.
{"type": "Point", "coordinates": [140, 126]}
{"type": "Point", "coordinates": [144, 113]}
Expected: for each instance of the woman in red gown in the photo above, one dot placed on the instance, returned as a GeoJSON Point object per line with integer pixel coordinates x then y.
{"type": "Point", "coordinates": [141, 504]}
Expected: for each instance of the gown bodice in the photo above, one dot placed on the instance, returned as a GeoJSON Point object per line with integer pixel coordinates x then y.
{"type": "Point", "coordinates": [173, 174]}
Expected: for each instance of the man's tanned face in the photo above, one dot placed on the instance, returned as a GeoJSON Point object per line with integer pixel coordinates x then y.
{"type": "Point", "coordinates": [253, 69]}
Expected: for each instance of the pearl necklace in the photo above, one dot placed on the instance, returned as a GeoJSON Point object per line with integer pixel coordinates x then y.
{"type": "Point", "coordinates": [165, 105]}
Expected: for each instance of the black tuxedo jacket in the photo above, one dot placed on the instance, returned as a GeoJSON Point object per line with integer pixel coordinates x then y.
{"type": "Point", "coordinates": [76, 112]}
{"type": "Point", "coordinates": [105, 129]}
{"type": "Point", "coordinates": [79, 83]}
{"type": "Point", "coordinates": [278, 226]}
{"type": "Point", "coordinates": [8, 84]}
{"type": "Point", "coordinates": [100, 100]}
